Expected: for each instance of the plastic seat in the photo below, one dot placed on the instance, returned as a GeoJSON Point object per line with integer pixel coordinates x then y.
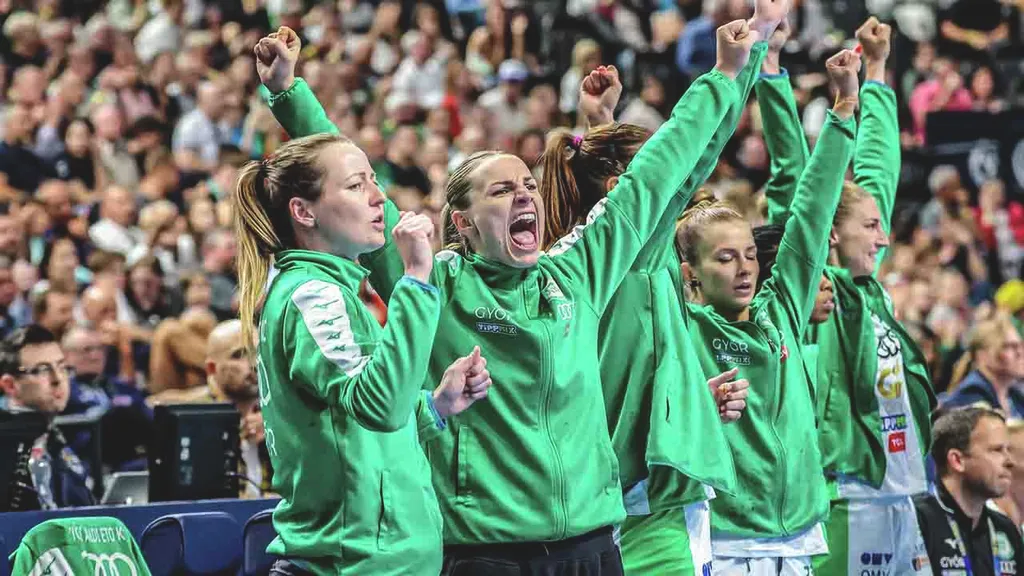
{"type": "Point", "coordinates": [256, 536]}
{"type": "Point", "coordinates": [198, 544]}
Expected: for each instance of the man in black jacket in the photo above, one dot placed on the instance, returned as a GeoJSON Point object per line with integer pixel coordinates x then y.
{"type": "Point", "coordinates": [963, 534]}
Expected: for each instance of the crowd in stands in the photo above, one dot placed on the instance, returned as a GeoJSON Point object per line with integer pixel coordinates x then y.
{"type": "Point", "coordinates": [125, 123]}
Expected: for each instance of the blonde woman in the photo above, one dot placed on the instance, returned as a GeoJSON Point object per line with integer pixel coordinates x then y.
{"type": "Point", "coordinates": [988, 370]}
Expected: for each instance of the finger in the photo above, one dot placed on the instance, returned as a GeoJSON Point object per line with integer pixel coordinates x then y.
{"type": "Point", "coordinates": [730, 416]}
{"type": "Point", "coordinates": [741, 384]}
{"type": "Point", "coordinates": [737, 395]}
{"type": "Point", "coordinates": [735, 405]}
{"type": "Point", "coordinates": [722, 378]}
{"type": "Point", "coordinates": [884, 32]}
{"type": "Point", "coordinates": [279, 47]}
{"type": "Point", "coordinates": [479, 395]}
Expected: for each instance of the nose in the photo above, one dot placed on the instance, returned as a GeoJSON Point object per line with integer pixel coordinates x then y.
{"type": "Point", "coordinates": [883, 239]}
{"type": "Point", "coordinates": [377, 196]}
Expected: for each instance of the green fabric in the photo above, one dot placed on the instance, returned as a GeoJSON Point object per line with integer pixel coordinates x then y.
{"type": "Point", "coordinates": [837, 532]}
{"type": "Point", "coordinates": [535, 461]}
{"type": "Point", "coordinates": [781, 491]}
{"type": "Point", "coordinates": [339, 395]}
{"type": "Point", "coordinates": [656, 544]}
{"type": "Point", "coordinates": [648, 362]}
{"type": "Point", "coordinates": [69, 546]}
{"type": "Point", "coordinates": [850, 428]}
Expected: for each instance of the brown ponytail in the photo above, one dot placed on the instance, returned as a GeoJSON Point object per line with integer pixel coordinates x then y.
{"type": "Point", "coordinates": [576, 170]}
{"type": "Point", "coordinates": [460, 184]}
{"type": "Point", "coordinates": [261, 217]}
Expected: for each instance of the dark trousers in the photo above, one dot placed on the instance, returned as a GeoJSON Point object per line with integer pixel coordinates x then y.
{"type": "Point", "coordinates": [591, 554]}
{"type": "Point", "coordinates": [286, 568]}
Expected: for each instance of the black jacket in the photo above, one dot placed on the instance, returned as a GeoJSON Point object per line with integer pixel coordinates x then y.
{"type": "Point", "coordinates": [933, 516]}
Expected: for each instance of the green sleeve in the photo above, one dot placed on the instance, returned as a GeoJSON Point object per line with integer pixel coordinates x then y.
{"type": "Point", "coordinates": [376, 381]}
{"type": "Point", "coordinates": [656, 254]}
{"type": "Point", "coordinates": [599, 254]}
{"type": "Point", "coordinates": [429, 423]}
{"type": "Point", "coordinates": [784, 138]}
{"type": "Point", "coordinates": [876, 159]}
{"type": "Point", "coordinates": [300, 114]}
{"type": "Point", "coordinates": [802, 254]}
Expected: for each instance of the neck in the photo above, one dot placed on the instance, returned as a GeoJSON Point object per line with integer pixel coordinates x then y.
{"type": "Point", "coordinates": [972, 504]}
{"type": "Point", "coordinates": [735, 315]}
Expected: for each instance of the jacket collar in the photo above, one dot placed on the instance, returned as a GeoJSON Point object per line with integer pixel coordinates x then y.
{"type": "Point", "coordinates": [344, 271]}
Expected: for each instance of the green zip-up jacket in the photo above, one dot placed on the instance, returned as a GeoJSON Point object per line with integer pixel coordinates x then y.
{"type": "Point", "coordinates": [69, 546]}
{"type": "Point", "coordinates": [850, 426]}
{"type": "Point", "coordinates": [655, 392]}
{"type": "Point", "coordinates": [535, 462]}
{"type": "Point", "coordinates": [339, 396]}
{"type": "Point", "coordinates": [781, 490]}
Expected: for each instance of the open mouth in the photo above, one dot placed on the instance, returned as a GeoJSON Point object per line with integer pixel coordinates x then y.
{"type": "Point", "coordinates": [744, 289]}
{"type": "Point", "coordinates": [378, 223]}
{"type": "Point", "coordinates": [523, 231]}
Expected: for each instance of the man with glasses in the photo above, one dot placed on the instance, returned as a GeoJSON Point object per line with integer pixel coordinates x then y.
{"type": "Point", "coordinates": [35, 377]}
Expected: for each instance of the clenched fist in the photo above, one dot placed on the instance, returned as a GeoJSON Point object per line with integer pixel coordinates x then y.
{"type": "Point", "coordinates": [735, 40]}
{"type": "Point", "coordinates": [413, 235]}
{"type": "Point", "coordinates": [843, 70]}
{"type": "Point", "coordinates": [276, 57]}
{"type": "Point", "coordinates": [599, 95]}
{"type": "Point", "coordinates": [875, 39]}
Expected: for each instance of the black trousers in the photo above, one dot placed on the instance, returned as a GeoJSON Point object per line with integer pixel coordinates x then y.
{"type": "Point", "coordinates": [286, 568]}
{"type": "Point", "coordinates": [591, 554]}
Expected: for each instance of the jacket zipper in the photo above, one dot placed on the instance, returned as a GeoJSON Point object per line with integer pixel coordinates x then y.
{"type": "Point", "coordinates": [778, 440]}
{"type": "Point", "coordinates": [562, 518]}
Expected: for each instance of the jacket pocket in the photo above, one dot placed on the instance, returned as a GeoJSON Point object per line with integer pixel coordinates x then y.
{"type": "Point", "coordinates": [463, 476]}
{"type": "Point", "coordinates": [612, 464]}
{"type": "Point", "coordinates": [385, 522]}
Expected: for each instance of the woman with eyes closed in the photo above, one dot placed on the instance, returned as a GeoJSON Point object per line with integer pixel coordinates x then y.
{"type": "Point", "coordinates": [771, 522]}
{"type": "Point", "coordinates": [529, 484]}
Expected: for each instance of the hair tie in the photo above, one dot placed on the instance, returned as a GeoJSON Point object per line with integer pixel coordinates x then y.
{"type": "Point", "coordinates": [576, 141]}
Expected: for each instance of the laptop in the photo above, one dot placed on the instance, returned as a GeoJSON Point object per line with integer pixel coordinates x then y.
{"type": "Point", "coordinates": [127, 488]}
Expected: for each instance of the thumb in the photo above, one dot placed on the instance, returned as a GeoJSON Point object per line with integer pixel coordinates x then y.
{"type": "Point", "coordinates": [474, 356]}
{"type": "Point", "coordinates": [278, 46]}
{"type": "Point", "coordinates": [722, 378]}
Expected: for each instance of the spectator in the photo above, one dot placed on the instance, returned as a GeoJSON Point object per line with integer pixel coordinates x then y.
{"type": "Point", "coordinates": [197, 137]}
{"type": "Point", "coordinates": [219, 249]}
{"type": "Point", "coordinates": [944, 91]}
{"type": "Point", "coordinates": [116, 231]}
{"type": "Point", "coordinates": [972, 29]}
{"type": "Point", "coordinates": [8, 294]}
{"type": "Point", "coordinates": [505, 102]}
{"type": "Point", "coordinates": [115, 159]}
{"type": "Point", "coordinates": [645, 110]}
{"type": "Point", "coordinates": [695, 52]}
{"type": "Point", "coordinates": [162, 33]}
{"type": "Point", "coordinates": [983, 91]}
{"type": "Point", "coordinates": [53, 310]}
{"type": "Point", "coordinates": [119, 404]}
{"type": "Point", "coordinates": [971, 451]}
{"type": "Point", "coordinates": [991, 368]}
{"type": "Point", "coordinates": [36, 378]}
{"type": "Point", "coordinates": [420, 77]}
{"type": "Point", "coordinates": [1000, 225]}
{"type": "Point", "coordinates": [60, 267]}
{"type": "Point", "coordinates": [586, 57]}
{"type": "Point", "coordinates": [22, 32]}
{"type": "Point", "coordinates": [77, 160]}
{"type": "Point", "coordinates": [24, 170]}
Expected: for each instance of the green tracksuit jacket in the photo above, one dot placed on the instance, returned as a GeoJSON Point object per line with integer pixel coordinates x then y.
{"type": "Point", "coordinates": [851, 435]}
{"type": "Point", "coordinates": [339, 396]}
{"type": "Point", "coordinates": [655, 392]}
{"type": "Point", "coordinates": [781, 489]}
{"type": "Point", "coordinates": [70, 546]}
{"type": "Point", "coordinates": [534, 462]}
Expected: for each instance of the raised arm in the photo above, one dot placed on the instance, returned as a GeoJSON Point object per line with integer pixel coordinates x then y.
{"type": "Point", "coordinates": [300, 114]}
{"type": "Point", "coordinates": [598, 254]}
{"type": "Point", "coordinates": [783, 134]}
{"type": "Point", "coordinates": [876, 159]}
{"type": "Point", "coordinates": [802, 250]}
{"type": "Point", "coordinates": [660, 249]}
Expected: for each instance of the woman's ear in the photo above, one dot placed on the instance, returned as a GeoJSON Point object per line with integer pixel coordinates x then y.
{"type": "Point", "coordinates": [299, 211]}
{"type": "Point", "coordinates": [463, 224]}
{"type": "Point", "coordinates": [610, 183]}
{"type": "Point", "coordinates": [833, 238]}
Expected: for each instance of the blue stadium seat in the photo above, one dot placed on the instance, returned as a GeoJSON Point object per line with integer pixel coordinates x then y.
{"type": "Point", "coordinates": [256, 536]}
{"type": "Point", "coordinates": [199, 544]}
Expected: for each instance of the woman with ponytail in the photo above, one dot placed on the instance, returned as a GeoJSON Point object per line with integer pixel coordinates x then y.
{"type": "Point", "coordinates": [529, 482]}
{"type": "Point", "coordinates": [657, 398]}
{"type": "Point", "coordinates": [771, 522]}
{"type": "Point", "coordinates": [337, 391]}
{"type": "Point", "coordinates": [872, 386]}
